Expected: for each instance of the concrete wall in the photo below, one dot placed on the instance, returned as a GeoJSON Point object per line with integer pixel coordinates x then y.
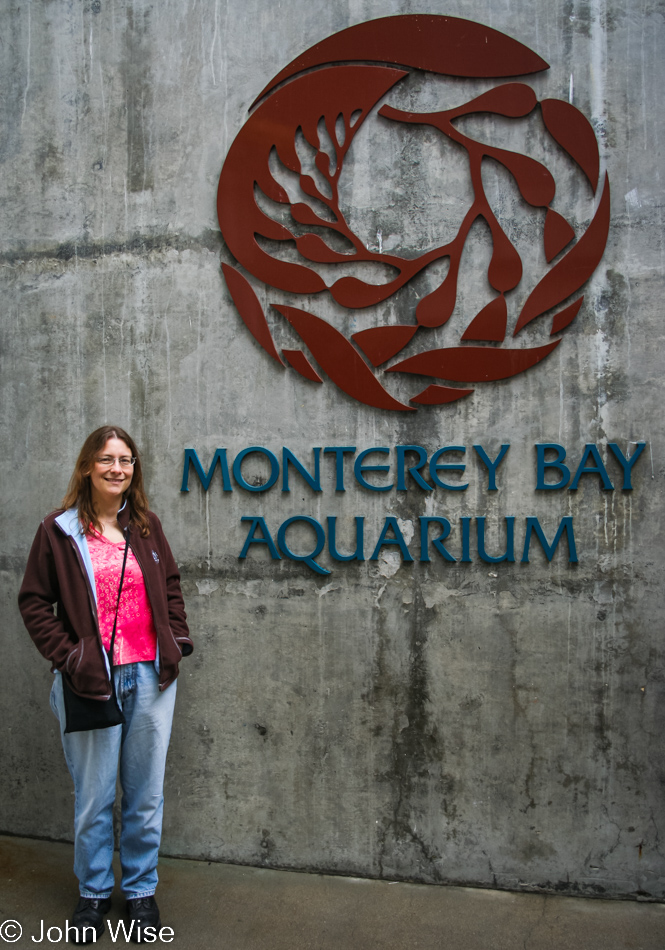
{"type": "Point", "coordinates": [492, 724]}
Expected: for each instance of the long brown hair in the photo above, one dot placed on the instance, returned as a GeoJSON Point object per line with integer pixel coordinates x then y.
{"type": "Point", "coordinates": [79, 491]}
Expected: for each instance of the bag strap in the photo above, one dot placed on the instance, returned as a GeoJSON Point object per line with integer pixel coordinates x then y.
{"type": "Point", "coordinates": [122, 574]}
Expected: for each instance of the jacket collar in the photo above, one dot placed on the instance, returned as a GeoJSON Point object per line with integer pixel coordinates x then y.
{"type": "Point", "coordinates": [123, 515]}
{"type": "Point", "coordinates": [69, 523]}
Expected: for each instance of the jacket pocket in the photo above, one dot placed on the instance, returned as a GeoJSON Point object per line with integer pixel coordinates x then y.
{"type": "Point", "coordinates": [177, 645]}
{"type": "Point", "coordinates": [74, 658]}
{"type": "Point", "coordinates": [86, 670]}
{"type": "Point", "coordinates": [186, 645]}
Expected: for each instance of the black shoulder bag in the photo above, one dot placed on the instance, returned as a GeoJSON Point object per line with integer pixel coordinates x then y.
{"type": "Point", "coordinates": [84, 714]}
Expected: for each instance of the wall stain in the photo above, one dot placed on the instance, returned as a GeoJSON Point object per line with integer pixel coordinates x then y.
{"type": "Point", "coordinates": [140, 246]}
{"type": "Point", "coordinates": [138, 97]}
{"type": "Point", "coordinates": [416, 747]}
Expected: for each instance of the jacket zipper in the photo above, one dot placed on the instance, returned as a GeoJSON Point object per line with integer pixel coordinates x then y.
{"type": "Point", "coordinates": [162, 686]}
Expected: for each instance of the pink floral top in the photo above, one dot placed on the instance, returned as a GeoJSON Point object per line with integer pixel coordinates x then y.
{"type": "Point", "coordinates": [135, 636]}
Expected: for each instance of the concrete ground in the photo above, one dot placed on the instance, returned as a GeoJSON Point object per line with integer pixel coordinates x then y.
{"type": "Point", "coordinates": [242, 908]}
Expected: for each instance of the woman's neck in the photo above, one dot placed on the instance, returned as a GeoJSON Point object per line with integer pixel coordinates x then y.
{"type": "Point", "coordinates": [108, 518]}
{"type": "Point", "coordinates": [108, 513]}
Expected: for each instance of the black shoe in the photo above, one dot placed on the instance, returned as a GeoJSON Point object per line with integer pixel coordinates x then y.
{"type": "Point", "coordinates": [89, 917]}
{"type": "Point", "coordinates": [145, 913]}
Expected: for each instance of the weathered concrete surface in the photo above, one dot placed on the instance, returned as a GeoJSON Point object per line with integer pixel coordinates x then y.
{"type": "Point", "coordinates": [257, 909]}
{"type": "Point", "coordinates": [493, 724]}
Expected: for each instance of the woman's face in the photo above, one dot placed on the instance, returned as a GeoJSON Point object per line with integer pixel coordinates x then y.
{"type": "Point", "coordinates": [110, 481]}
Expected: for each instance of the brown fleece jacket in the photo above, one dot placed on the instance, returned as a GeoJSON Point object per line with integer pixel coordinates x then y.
{"type": "Point", "coordinates": [70, 638]}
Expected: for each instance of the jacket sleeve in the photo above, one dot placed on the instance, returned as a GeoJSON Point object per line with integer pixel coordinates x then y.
{"type": "Point", "coordinates": [176, 603]}
{"type": "Point", "coordinates": [39, 592]}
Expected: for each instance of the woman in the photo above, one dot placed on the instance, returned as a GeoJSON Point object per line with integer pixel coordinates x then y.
{"type": "Point", "coordinates": [76, 563]}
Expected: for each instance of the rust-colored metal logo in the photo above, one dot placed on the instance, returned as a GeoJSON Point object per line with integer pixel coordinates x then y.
{"type": "Point", "coordinates": [325, 96]}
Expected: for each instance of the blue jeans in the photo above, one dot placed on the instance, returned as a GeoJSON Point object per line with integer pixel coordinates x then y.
{"type": "Point", "coordinates": [140, 747]}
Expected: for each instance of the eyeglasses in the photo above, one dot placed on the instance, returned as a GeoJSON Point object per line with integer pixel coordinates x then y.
{"type": "Point", "coordinates": [107, 461]}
